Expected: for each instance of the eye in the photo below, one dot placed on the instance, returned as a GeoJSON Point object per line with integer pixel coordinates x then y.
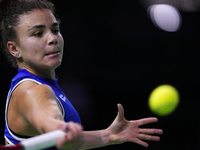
{"type": "Point", "coordinates": [55, 31]}
{"type": "Point", "coordinates": [38, 34]}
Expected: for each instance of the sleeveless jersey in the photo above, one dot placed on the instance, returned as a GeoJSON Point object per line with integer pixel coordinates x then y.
{"type": "Point", "coordinates": [69, 112]}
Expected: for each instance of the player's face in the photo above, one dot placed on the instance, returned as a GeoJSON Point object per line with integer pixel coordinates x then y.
{"type": "Point", "coordinates": [39, 40]}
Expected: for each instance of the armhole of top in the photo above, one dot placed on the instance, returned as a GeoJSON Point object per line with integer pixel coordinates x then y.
{"type": "Point", "coordinates": [28, 79]}
{"type": "Point", "coordinates": [6, 110]}
{"type": "Point", "coordinates": [7, 105]}
{"type": "Point", "coordinates": [11, 91]}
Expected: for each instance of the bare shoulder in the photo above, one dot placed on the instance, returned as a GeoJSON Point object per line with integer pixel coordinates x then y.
{"type": "Point", "coordinates": [31, 88]}
{"type": "Point", "coordinates": [29, 93]}
{"type": "Point", "coordinates": [31, 104]}
{"type": "Point", "coordinates": [26, 100]}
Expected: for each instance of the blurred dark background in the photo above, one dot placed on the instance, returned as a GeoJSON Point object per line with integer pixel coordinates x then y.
{"type": "Point", "coordinates": [115, 54]}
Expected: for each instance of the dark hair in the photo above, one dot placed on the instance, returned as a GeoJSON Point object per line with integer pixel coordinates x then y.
{"type": "Point", "coordinates": [10, 12]}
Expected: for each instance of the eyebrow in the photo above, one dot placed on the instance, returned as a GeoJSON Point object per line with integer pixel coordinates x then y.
{"type": "Point", "coordinates": [43, 26]}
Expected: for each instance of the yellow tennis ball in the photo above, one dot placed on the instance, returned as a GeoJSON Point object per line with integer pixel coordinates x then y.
{"type": "Point", "coordinates": [163, 100]}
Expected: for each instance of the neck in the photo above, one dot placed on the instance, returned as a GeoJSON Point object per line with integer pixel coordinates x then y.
{"type": "Point", "coordinates": [40, 72]}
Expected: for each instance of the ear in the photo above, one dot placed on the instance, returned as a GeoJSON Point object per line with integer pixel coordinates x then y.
{"type": "Point", "coordinates": [12, 47]}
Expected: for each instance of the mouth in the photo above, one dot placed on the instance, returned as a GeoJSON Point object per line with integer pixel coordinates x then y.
{"type": "Point", "coordinates": [53, 54]}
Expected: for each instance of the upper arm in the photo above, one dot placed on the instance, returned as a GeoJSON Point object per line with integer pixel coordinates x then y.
{"type": "Point", "coordinates": [38, 106]}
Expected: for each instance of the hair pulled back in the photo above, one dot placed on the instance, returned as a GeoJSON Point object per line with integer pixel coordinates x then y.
{"type": "Point", "coordinates": [10, 12]}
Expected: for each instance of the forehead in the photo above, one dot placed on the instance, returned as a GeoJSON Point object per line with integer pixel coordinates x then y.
{"type": "Point", "coordinates": [37, 17]}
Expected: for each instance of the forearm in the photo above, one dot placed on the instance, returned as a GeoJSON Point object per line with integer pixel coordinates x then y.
{"type": "Point", "coordinates": [51, 124]}
{"type": "Point", "coordinates": [94, 139]}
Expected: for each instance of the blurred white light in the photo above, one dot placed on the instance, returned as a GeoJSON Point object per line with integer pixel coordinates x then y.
{"type": "Point", "coordinates": [181, 5]}
{"type": "Point", "coordinates": [165, 17]}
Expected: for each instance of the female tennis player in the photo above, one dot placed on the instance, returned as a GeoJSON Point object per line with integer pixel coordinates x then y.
{"type": "Point", "coordinates": [35, 104]}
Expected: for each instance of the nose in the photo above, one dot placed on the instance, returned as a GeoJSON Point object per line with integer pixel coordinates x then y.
{"type": "Point", "coordinates": [52, 39]}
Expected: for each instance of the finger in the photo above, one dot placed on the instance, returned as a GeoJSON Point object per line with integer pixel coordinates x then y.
{"type": "Point", "coordinates": [151, 131]}
{"type": "Point", "coordinates": [74, 129]}
{"type": "Point", "coordinates": [78, 127]}
{"type": "Point", "coordinates": [120, 111]}
{"type": "Point", "coordinates": [148, 137]}
{"type": "Point", "coordinates": [146, 121]}
{"type": "Point", "coordinates": [63, 127]}
{"type": "Point", "coordinates": [62, 140]}
{"type": "Point", "coordinates": [140, 142]}
{"type": "Point", "coordinates": [78, 130]}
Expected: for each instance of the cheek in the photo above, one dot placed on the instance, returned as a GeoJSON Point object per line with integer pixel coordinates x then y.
{"type": "Point", "coordinates": [37, 48]}
{"type": "Point", "coordinates": [33, 53]}
{"type": "Point", "coordinates": [61, 40]}
{"type": "Point", "coordinates": [31, 49]}
{"type": "Point", "coordinates": [31, 46]}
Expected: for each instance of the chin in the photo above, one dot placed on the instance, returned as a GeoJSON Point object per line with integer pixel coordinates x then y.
{"type": "Point", "coordinates": [55, 65]}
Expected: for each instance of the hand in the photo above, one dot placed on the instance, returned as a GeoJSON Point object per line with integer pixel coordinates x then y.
{"type": "Point", "coordinates": [73, 138]}
{"type": "Point", "coordinates": [122, 130]}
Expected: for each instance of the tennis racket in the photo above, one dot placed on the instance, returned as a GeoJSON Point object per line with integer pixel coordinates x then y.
{"type": "Point", "coordinates": [38, 142]}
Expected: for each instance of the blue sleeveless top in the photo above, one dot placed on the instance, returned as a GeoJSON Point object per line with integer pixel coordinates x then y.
{"type": "Point", "coordinates": [69, 112]}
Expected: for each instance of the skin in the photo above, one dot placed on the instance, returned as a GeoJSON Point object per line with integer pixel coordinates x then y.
{"type": "Point", "coordinates": [39, 36]}
{"type": "Point", "coordinates": [33, 108]}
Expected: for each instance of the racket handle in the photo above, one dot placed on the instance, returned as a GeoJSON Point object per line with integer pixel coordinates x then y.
{"type": "Point", "coordinates": [42, 141]}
